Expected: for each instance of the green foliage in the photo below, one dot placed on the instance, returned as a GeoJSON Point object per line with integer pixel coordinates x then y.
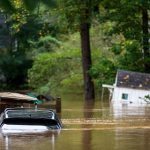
{"type": "Point", "coordinates": [62, 69]}
{"type": "Point", "coordinates": [58, 71]}
{"type": "Point", "coordinates": [127, 17]}
{"type": "Point", "coordinates": [44, 44]}
{"type": "Point", "coordinates": [103, 71]}
{"type": "Point", "coordinates": [75, 11]}
{"type": "Point", "coordinates": [127, 20]}
{"type": "Point", "coordinates": [146, 98]}
{"type": "Point", "coordinates": [12, 5]}
{"type": "Point", "coordinates": [6, 5]}
{"type": "Point", "coordinates": [128, 55]}
{"type": "Point", "coordinates": [116, 49]}
{"type": "Point", "coordinates": [30, 4]}
{"type": "Point", "coordinates": [50, 3]}
{"type": "Point", "coordinates": [13, 69]}
{"type": "Point", "coordinates": [32, 27]}
{"type": "Point", "coordinates": [51, 72]}
{"type": "Point", "coordinates": [27, 31]}
{"type": "Point", "coordinates": [104, 65]}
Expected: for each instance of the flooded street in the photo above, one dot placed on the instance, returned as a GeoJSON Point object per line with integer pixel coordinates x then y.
{"type": "Point", "coordinates": [89, 126]}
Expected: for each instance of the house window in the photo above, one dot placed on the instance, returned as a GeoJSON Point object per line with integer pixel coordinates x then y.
{"type": "Point", "coordinates": [125, 96]}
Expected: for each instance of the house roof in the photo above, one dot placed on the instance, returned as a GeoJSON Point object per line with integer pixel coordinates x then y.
{"type": "Point", "coordinates": [131, 79]}
{"type": "Point", "coordinates": [16, 96]}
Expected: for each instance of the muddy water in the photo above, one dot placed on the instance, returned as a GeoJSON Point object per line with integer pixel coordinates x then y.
{"type": "Point", "coordinates": [90, 126]}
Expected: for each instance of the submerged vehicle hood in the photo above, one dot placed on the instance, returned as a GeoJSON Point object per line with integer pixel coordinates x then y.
{"type": "Point", "coordinates": [23, 128]}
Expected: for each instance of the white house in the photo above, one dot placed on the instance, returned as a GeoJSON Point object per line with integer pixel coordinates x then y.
{"type": "Point", "coordinates": [130, 87]}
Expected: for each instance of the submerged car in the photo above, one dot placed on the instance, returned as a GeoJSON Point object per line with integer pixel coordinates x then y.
{"type": "Point", "coordinates": [26, 119]}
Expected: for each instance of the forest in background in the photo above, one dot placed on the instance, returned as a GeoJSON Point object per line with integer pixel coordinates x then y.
{"type": "Point", "coordinates": [42, 48]}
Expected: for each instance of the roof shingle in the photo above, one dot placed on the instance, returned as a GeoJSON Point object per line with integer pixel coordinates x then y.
{"type": "Point", "coordinates": [131, 79]}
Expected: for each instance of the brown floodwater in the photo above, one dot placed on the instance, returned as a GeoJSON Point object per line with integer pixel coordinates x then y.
{"type": "Point", "coordinates": [89, 126]}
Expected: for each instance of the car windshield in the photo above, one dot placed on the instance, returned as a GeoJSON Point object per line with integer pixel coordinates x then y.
{"type": "Point", "coordinates": [30, 121]}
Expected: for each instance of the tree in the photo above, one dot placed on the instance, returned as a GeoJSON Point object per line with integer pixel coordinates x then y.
{"type": "Point", "coordinates": [130, 18]}
{"type": "Point", "coordinates": [145, 29]}
{"type": "Point", "coordinates": [13, 68]}
{"type": "Point", "coordinates": [86, 51]}
{"type": "Point", "coordinates": [79, 15]}
{"type": "Point", "coordinates": [84, 11]}
{"type": "Point", "coordinates": [22, 28]}
{"type": "Point", "coordinates": [59, 71]}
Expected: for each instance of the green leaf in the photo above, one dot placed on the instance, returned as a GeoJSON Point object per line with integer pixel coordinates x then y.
{"type": "Point", "coordinates": [31, 4]}
{"type": "Point", "coordinates": [7, 5]}
{"type": "Point", "coordinates": [50, 3]}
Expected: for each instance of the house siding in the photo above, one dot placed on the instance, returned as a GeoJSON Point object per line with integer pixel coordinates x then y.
{"type": "Point", "coordinates": [135, 96]}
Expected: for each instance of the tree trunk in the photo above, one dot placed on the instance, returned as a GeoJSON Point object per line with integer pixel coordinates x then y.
{"type": "Point", "coordinates": [146, 53]}
{"type": "Point", "coordinates": [86, 61]}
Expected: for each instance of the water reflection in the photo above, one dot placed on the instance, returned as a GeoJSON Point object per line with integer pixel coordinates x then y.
{"type": "Point", "coordinates": [126, 110]}
{"type": "Point", "coordinates": [130, 139]}
{"type": "Point", "coordinates": [28, 140]}
{"type": "Point", "coordinates": [131, 116]}
{"type": "Point", "coordinates": [87, 134]}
